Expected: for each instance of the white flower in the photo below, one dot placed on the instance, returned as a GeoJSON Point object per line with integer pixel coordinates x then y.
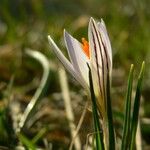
{"type": "Point", "coordinates": [97, 53]}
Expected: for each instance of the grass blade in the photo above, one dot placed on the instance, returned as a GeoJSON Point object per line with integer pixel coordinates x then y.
{"type": "Point", "coordinates": [68, 107]}
{"type": "Point", "coordinates": [41, 89]}
{"type": "Point", "coordinates": [110, 117]}
{"type": "Point", "coordinates": [39, 135]}
{"type": "Point", "coordinates": [127, 118]}
{"type": "Point", "coordinates": [135, 116]}
{"type": "Point", "coordinates": [25, 141]}
{"type": "Point", "coordinates": [98, 135]}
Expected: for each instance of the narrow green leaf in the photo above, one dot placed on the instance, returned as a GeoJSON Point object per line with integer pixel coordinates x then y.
{"type": "Point", "coordinates": [110, 116]}
{"type": "Point", "coordinates": [127, 117]}
{"type": "Point", "coordinates": [39, 135]}
{"type": "Point", "coordinates": [25, 141]}
{"type": "Point", "coordinates": [136, 107]}
{"type": "Point", "coordinates": [98, 135]}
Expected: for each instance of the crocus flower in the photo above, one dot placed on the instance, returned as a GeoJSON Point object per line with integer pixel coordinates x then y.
{"type": "Point", "coordinates": [97, 53]}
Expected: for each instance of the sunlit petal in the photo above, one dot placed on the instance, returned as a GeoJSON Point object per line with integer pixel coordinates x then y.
{"type": "Point", "coordinates": [66, 63]}
{"type": "Point", "coordinates": [77, 56]}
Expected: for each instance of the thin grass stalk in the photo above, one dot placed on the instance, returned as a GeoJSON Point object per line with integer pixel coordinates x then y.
{"type": "Point", "coordinates": [68, 107]}
{"type": "Point", "coordinates": [127, 117]}
{"type": "Point", "coordinates": [79, 125]}
{"type": "Point", "coordinates": [39, 135]}
{"type": "Point", "coordinates": [30, 110]}
{"type": "Point", "coordinates": [135, 115]}
{"type": "Point", "coordinates": [98, 131]}
{"type": "Point", "coordinates": [110, 117]}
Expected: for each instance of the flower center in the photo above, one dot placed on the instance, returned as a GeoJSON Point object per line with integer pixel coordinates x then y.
{"type": "Point", "coordinates": [85, 47]}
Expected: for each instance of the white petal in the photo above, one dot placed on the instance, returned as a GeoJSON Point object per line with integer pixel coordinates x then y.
{"type": "Point", "coordinates": [106, 41]}
{"type": "Point", "coordinates": [65, 62]}
{"type": "Point", "coordinates": [98, 60]}
{"type": "Point", "coordinates": [77, 56]}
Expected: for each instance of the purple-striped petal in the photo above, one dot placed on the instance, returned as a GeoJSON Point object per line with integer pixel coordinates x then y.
{"type": "Point", "coordinates": [106, 42]}
{"type": "Point", "coordinates": [99, 61]}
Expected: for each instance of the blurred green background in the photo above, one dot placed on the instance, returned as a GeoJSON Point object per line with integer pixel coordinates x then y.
{"type": "Point", "coordinates": [26, 24]}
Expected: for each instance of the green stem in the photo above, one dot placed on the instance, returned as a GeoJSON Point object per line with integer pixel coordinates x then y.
{"type": "Point", "coordinates": [127, 119]}
{"type": "Point", "coordinates": [99, 138]}
{"type": "Point", "coordinates": [136, 107]}
{"type": "Point", "coordinates": [110, 117]}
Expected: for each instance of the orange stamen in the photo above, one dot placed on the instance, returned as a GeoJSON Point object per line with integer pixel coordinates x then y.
{"type": "Point", "coordinates": [85, 46]}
